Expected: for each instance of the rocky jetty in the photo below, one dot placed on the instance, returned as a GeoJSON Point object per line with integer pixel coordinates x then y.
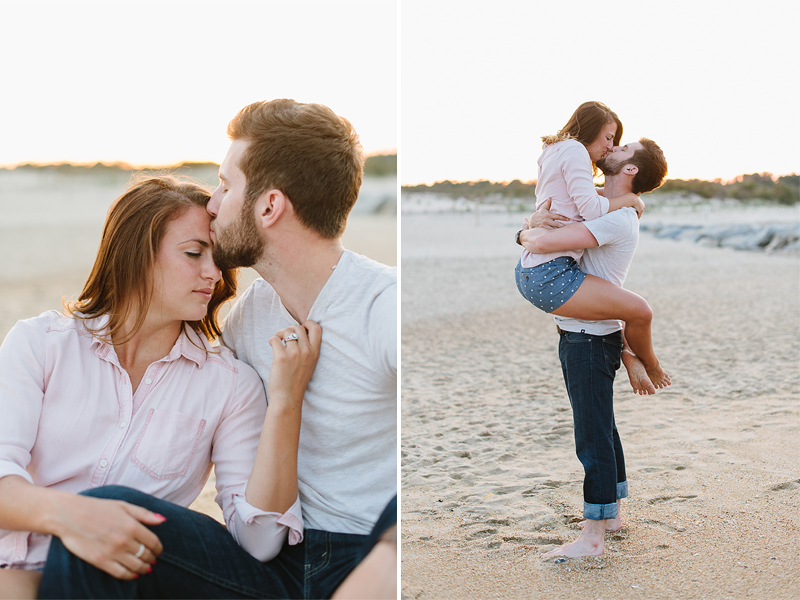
{"type": "Point", "coordinates": [772, 237]}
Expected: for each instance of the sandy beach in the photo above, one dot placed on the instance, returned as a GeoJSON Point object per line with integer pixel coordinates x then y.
{"type": "Point", "coordinates": [51, 229]}
{"type": "Point", "coordinates": [488, 470]}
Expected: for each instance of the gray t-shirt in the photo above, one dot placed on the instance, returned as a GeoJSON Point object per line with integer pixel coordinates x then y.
{"type": "Point", "coordinates": [617, 235]}
{"type": "Point", "coordinates": [347, 459]}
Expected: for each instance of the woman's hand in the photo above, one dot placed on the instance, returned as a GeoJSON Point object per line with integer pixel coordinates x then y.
{"type": "Point", "coordinates": [544, 218]}
{"type": "Point", "coordinates": [295, 351]}
{"type": "Point", "coordinates": [272, 485]}
{"type": "Point", "coordinates": [638, 206]}
{"type": "Point", "coordinates": [109, 534]}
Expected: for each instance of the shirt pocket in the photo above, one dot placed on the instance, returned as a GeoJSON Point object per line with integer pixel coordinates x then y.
{"type": "Point", "coordinates": [167, 443]}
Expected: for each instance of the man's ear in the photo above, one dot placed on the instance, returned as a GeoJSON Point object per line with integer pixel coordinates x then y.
{"type": "Point", "coordinates": [270, 207]}
{"type": "Point", "coordinates": [630, 170]}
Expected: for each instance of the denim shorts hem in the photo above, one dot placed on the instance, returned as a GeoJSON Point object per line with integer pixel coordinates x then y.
{"type": "Point", "coordinates": [599, 512]}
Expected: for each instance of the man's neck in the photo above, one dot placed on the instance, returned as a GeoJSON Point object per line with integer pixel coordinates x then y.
{"type": "Point", "coordinates": [616, 185]}
{"type": "Point", "coordinates": [298, 269]}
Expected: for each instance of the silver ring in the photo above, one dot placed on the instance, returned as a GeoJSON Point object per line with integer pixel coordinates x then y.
{"type": "Point", "coordinates": [140, 551]}
{"type": "Point", "coordinates": [292, 337]}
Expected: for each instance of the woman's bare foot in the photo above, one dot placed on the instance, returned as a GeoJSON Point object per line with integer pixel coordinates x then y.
{"type": "Point", "coordinates": [658, 376]}
{"type": "Point", "coordinates": [637, 374]}
{"type": "Point", "coordinates": [589, 542]}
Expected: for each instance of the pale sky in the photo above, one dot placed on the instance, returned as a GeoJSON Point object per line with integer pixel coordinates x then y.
{"type": "Point", "coordinates": [157, 82]}
{"type": "Point", "coordinates": [713, 83]}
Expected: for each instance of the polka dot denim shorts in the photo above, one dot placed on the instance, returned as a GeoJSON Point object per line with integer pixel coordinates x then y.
{"type": "Point", "coordinates": [550, 285]}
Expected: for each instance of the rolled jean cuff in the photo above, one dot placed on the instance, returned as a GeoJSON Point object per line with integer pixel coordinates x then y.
{"type": "Point", "coordinates": [622, 490]}
{"type": "Point", "coordinates": [599, 512]}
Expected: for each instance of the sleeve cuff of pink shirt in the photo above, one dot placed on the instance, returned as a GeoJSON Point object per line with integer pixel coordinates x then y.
{"type": "Point", "coordinates": [11, 468]}
{"type": "Point", "coordinates": [292, 519]}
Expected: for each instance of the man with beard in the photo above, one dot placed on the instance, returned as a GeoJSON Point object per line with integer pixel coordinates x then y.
{"type": "Point", "coordinates": [590, 351]}
{"type": "Point", "coordinates": [290, 178]}
{"type": "Point", "coordinates": [287, 184]}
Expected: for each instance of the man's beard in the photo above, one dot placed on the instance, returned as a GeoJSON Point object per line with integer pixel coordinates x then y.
{"type": "Point", "coordinates": [608, 167]}
{"type": "Point", "coordinates": [239, 244]}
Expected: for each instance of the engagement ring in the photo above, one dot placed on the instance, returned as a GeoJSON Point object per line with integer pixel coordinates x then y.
{"type": "Point", "coordinates": [291, 337]}
{"type": "Point", "coordinates": [140, 551]}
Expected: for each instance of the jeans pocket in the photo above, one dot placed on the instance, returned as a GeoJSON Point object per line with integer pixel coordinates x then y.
{"type": "Point", "coordinates": [573, 337]}
{"type": "Point", "coordinates": [167, 443]}
{"type": "Point", "coordinates": [612, 352]}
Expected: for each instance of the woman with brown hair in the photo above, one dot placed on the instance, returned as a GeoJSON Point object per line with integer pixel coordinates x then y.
{"type": "Point", "coordinates": [554, 282]}
{"type": "Point", "coordinates": [125, 389]}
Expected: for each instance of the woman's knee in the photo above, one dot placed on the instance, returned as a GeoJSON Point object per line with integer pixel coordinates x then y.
{"type": "Point", "coordinates": [129, 495]}
{"type": "Point", "coordinates": [640, 312]}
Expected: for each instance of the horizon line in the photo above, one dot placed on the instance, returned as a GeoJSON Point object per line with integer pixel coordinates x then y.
{"type": "Point", "coordinates": [137, 166]}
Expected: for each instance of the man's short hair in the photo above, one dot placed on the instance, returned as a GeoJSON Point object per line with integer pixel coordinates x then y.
{"type": "Point", "coordinates": [652, 167]}
{"type": "Point", "coordinates": [307, 152]}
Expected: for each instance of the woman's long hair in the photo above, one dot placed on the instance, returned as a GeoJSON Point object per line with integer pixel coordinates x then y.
{"type": "Point", "coordinates": [121, 284]}
{"type": "Point", "coordinates": [585, 125]}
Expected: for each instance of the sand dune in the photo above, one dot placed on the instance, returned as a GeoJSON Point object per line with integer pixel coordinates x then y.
{"type": "Point", "coordinates": [488, 471]}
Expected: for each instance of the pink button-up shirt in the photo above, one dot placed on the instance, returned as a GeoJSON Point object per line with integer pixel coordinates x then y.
{"type": "Point", "coordinates": [70, 420]}
{"type": "Point", "coordinates": [565, 176]}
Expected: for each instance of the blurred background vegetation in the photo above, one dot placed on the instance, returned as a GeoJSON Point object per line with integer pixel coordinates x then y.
{"type": "Point", "coordinates": [379, 165]}
{"type": "Point", "coordinates": [755, 186]}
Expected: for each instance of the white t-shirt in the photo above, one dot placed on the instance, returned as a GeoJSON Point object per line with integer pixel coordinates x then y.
{"type": "Point", "coordinates": [617, 235]}
{"type": "Point", "coordinates": [347, 459]}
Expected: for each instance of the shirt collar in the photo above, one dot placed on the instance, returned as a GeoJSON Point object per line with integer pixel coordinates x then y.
{"type": "Point", "coordinates": [190, 344]}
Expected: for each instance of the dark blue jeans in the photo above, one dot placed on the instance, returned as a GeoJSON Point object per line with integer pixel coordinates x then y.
{"type": "Point", "coordinates": [589, 364]}
{"type": "Point", "coordinates": [202, 560]}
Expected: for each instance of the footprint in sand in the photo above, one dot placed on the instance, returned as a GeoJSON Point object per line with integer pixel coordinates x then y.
{"type": "Point", "coordinates": [482, 533]}
{"type": "Point", "coordinates": [677, 498]}
{"type": "Point", "coordinates": [787, 485]}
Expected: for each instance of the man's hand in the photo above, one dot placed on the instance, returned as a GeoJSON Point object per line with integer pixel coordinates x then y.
{"type": "Point", "coordinates": [544, 218]}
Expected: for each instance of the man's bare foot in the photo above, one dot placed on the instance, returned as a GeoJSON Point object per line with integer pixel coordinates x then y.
{"type": "Point", "coordinates": [614, 524]}
{"type": "Point", "coordinates": [611, 524]}
{"type": "Point", "coordinates": [589, 542]}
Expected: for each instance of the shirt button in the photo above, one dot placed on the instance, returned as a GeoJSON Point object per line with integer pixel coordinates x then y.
{"type": "Point", "coordinates": [104, 463]}
{"type": "Point", "coordinates": [122, 425]}
{"type": "Point", "coordinates": [148, 381]}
